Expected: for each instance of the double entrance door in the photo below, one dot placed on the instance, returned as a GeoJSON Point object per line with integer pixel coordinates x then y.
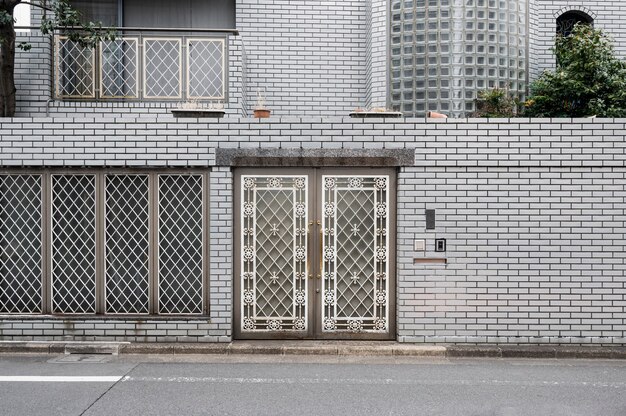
{"type": "Point", "coordinates": [315, 254]}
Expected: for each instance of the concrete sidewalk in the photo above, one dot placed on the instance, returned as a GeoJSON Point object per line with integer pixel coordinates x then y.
{"type": "Point", "coordinates": [347, 348]}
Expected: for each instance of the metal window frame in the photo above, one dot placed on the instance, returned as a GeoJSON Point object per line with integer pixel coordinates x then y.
{"type": "Point", "coordinates": [137, 41]}
{"type": "Point", "coordinates": [188, 42]}
{"type": "Point", "coordinates": [45, 175]}
{"type": "Point", "coordinates": [156, 304]}
{"type": "Point", "coordinates": [179, 41]}
{"type": "Point", "coordinates": [105, 247]}
{"type": "Point", "coordinates": [57, 71]}
{"type": "Point", "coordinates": [96, 88]}
{"type": "Point", "coordinates": [97, 241]}
{"type": "Point", "coordinates": [42, 248]}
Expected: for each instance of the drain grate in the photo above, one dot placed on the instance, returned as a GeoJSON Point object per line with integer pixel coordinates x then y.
{"type": "Point", "coordinates": [82, 358]}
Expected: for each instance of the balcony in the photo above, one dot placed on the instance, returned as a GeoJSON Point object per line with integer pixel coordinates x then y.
{"type": "Point", "coordinates": [142, 65]}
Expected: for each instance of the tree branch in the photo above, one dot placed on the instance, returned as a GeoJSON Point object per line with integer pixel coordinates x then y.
{"type": "Point", "coordinates": [41, 6]}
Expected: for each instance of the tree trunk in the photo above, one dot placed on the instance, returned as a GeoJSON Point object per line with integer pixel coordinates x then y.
{"type": "Point", "coordinates": [7, 70]}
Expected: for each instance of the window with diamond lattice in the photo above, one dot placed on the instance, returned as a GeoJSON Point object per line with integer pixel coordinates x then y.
{"type": "Point", "coordinates": [180, 244]}
{"type": "Point", "coordinates": [74, 243]}
{"type": "Point", "coordinates": [118, 243]}
{"type": "Point", "coordinates": [127, 244]}
{"type": "Point", "coordinates": [20, 244]}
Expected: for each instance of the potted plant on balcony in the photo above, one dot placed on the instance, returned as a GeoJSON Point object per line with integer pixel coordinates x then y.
{"type": "Point", "coordinates": [260, 110]}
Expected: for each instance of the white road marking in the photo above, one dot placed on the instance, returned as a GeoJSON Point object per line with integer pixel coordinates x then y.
{"type": "Point", "coordinates": [62, 379]}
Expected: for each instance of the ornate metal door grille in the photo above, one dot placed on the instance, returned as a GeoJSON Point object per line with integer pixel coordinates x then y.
{"type": "Point", "coordinates": [355, 253]}
{"type": "Point", "coordinates": [20, 244]}
{"type": "Point", "coordinates": [73, 244]}
{"type": "Point", "coordinates": [274, 253]}
{"type": "Point", "coordinates": [306, 278]}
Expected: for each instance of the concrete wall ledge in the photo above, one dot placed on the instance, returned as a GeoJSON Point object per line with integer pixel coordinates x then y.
{"type": "Point", "coordinates": [336, 348]}
{"type": "Point", "coordinates": [315, 157]}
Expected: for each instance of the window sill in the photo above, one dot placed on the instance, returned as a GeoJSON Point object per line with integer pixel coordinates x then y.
{"type": "Point", "coordinates": [375, 114]}
{"type": "Point", "coordinates": [146, 318]}
{"type": "Point", "coordinates": [197, 113]}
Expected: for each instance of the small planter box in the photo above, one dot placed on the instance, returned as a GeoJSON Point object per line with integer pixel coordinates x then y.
{"type": "Point", "coordinates": [197, 113]}
{"type": "Point", "coordinates": [376, 114]}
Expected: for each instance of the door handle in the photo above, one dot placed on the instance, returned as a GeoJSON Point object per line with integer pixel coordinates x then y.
{"type": "Point", "coordinates": [319, 271]}
{"type": "Point", "coordinates": [309, 235]}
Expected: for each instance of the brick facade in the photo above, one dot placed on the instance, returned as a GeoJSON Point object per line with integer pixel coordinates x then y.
{"type": "Point", "coordinates": [307, 58]}
{"type": "Point", "coordinates": [533, 210]}
{"type": "Point", "coordinates": [534, 213]}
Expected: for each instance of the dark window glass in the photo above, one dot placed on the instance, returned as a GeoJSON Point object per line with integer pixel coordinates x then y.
{"type": "Point", "coordinates": [566, 22]}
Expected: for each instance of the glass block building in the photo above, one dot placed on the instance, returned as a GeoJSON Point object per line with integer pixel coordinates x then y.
{"type": "Point", "coordinates": [443, 52]}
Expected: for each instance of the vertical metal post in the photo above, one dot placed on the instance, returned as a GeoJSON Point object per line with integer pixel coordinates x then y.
{"type": "Point", "coordinates": [46, 246]}
{"type": "Point", "coordinates": [100, 249]}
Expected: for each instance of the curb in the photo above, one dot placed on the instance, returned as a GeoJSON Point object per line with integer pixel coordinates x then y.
{"type": "Point", "coordinates": [329, 348]}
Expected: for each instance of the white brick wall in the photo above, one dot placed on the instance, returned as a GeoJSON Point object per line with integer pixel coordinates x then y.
{"type": "Point", "coordinates": [308, 57]}
{"type": "Point", "coordinates": [377, 44]}
{"type": "Point", "coordinates": [221, 246]}
{"type": "Point", "coordinates": [33, 75]}
{"type": "Point", "coordinates": [534, 255]}
{"type": "Point", "coordinates": [533, 210]}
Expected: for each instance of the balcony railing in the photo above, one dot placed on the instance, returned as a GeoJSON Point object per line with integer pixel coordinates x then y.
{"type": "Point", "coordinates": [142, 67]}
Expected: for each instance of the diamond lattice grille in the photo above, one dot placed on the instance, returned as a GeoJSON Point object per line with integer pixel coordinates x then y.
{"type": "Point", "coordinates": [180, 244]}
{"type": "Point", "coordinates": [206, 68]}
{"type": "Point", "coordinates": [274, 214]}
{"type": "Point", "coordinates": [20, 244]}
{"type": "Point", "coordinates": [127, 244]}
{"type": "Point", "coordinates": [274, 254]}
{"type": "Point", "coordinates": [118, 61]}
{"type": "Point", "coordinates": [355, 253]}
{"type": "Point", "coordinates": [73, 243]}
{"type": "Point", "coordinates": [74, 69]}
{"type": "Point", "coordinates": [355, 262]}
{"type": "Point", "coordinates": [162, 69]}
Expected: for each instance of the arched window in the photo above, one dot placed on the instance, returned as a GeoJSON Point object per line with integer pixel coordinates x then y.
{"type": "Point", "coordinates": [565, 23]}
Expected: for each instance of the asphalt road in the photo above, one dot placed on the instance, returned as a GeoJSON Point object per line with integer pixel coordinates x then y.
{"type": "Point", "coordinates": [274, 385]}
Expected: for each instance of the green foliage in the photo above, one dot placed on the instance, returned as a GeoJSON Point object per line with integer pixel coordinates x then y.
{"type": "Point", "coordinates": [6, 18]}
{"type": "Point", "coordinates": [495, 102]}
{"type": "Point", "coordinates": [62, 18]}
{"type": "Point", "coordinates": [589, 79]}
{"type": "Point", "coordinates": [66, 17]}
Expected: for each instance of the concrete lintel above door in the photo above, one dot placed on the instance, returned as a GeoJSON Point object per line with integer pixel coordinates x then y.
{"type": "Point", "coordinates": [264, 157]}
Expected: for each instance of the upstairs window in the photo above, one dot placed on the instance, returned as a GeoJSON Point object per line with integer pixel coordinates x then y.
{"type": "Point", "coordinates": [566, 22]}
{"type": "Point", "coordinates": [192, 14]}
